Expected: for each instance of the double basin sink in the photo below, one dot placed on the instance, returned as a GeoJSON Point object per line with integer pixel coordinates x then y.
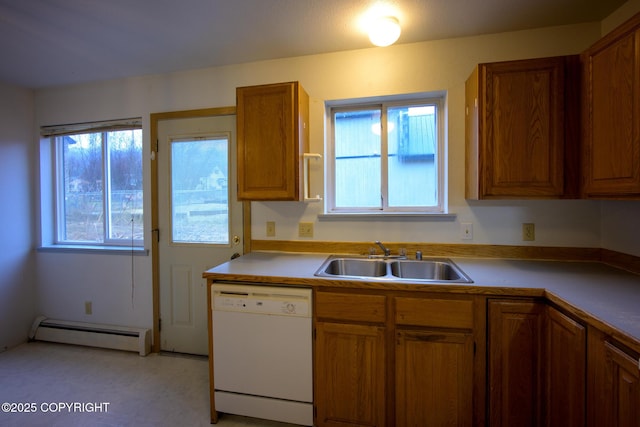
{"type": "Point", "coordinates": [431, 270]}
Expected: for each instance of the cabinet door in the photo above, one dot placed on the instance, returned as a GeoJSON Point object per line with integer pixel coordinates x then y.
{"type": "Point", "coordinates": [516, 358]}
{"type": "Point", "coordinates": [434, 378]}
{"type": "Point", "coordinates": [623, 376]}
{"type": "Point", "coordinates": [566, 370]}
{"type": "Point", "coordinates": [518, 129]}
{"type": "Point", "coordinates": [613, 389]}
{"type": "Point", "coordinates": [349, 375]}
{"type": "Point", "coordinates": [272, 136]}
{"type": "Point", "coordinates": [612, 114]}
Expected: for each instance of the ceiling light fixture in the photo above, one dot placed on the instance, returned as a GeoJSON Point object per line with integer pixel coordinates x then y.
{"type": "Point", "coordinates": [384, 31]}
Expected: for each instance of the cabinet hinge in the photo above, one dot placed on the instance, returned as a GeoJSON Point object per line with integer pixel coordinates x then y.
{"type": "Point", "coordinates": [314, 334]}
{"type": "Point", "coordinates": [157, 145]}
{"type": "Point", "coordinates": [159, 324]}
{"type": "Point", "coordinates": [474, 348]}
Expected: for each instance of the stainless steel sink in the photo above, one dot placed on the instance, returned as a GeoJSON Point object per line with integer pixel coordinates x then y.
{"type": "Point", "coordinates": [355, 267]}
{"type": "Point", "coordinates": [393, 270]}
{"type": "Point", "coordinates": [439, 270]}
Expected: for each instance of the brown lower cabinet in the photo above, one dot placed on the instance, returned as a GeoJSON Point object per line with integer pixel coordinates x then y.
{"type": "Point", "coordinates": [565, 385]}
{"type": "Point", "coordinates": [537, 362]}
{"type": "Point", "coordinates": [350, 359]}
{"type": "Point", "coordinates": [434, 378]}
{"type": "Point", "coordinates": [350, 379]}
{"type": "Point", "coordinates": [613, 372]}
{"type": "Point", "coordinates": [391, 357]}
{"type": "Point", "coordinates": [516, 349]}
{"type": "Point", "coordinates": [546, 368]}
{"type": "Point", "coordinates": [384, 359]}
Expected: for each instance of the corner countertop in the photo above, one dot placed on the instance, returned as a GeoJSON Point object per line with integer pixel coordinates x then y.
{"type": "Point", "coordinates": [607, 297]}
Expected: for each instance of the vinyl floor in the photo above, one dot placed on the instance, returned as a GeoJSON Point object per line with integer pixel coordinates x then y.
{"type": "Point", "coordinates": [56, 385]}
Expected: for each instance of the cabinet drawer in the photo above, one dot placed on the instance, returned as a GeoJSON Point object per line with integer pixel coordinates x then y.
{"type": "Point", "coordinates": [352, 307]}
{"type": "Point", "coordinates": [445, 313]}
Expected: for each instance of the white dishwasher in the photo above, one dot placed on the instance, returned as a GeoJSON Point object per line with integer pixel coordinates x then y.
{"type": "Point", "coordinates": [262, 352]}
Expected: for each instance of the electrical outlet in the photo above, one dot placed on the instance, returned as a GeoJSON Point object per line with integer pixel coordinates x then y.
{"type": "Point", "coordinates": [88, 307]}
{"type": "Point", "coordinates": [271, 229]}
{"type": "Point", "coordinates": [305, 229]}
{"type": "Point", "coordinates": [466, 231]}
{"type": "Point", "coordinates": [528, 232]}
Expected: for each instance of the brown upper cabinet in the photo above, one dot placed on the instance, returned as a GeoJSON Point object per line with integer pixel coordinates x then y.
{"type": "Point", "coordinates": [522, 129]}
{"type": "Point", "coordinates": [611, 114]}
{"type": "Point", "coordinates": [273, 135]}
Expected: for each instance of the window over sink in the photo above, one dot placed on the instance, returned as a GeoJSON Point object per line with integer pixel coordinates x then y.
{"type": "Point", "coordinates": [386, 155]}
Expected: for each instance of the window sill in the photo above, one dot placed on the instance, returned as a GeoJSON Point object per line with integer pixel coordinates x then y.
{"type": "Point", "coordinates": [388, 216]}
{"type": "Point", "coordinates": [95, 249]}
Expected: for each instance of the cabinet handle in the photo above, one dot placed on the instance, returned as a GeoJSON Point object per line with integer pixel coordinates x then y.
{"type": "Point", "coordinates": [306, 159]}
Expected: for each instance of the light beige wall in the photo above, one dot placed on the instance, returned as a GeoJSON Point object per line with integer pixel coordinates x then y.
{"type": "Point", "coordinates": [17, 281]}
{"type": "Point", "coordinates": [420, 67]}
{"type": "Point", "coordinates": [626, 11]}
{"type": "Point", "coordinates": [430, 66]}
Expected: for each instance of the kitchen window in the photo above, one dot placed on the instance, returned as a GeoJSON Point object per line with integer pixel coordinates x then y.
{"type": "Point", "coordinates": [387, 157]}
{"type": "Point", "coordinates": [96, 182]}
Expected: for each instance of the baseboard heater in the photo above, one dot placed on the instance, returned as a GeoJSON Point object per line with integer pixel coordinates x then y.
{"type": "Point", "coordinates": [92, 335]}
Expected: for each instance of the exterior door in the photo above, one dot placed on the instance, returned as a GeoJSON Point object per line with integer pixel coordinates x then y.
{"type": "Point", "coordinates": [200, 222]}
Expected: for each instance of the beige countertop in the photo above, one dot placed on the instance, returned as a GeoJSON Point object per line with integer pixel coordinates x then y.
{"type": "Point", "coordinates": [607, 297]}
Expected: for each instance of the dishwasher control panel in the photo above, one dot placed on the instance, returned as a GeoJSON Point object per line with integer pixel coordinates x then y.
{"type": "Point", "coordinates": [262, 300]}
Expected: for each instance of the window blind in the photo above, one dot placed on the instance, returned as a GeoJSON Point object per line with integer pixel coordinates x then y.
{"type": "Point", "coordinates": [90, 127]}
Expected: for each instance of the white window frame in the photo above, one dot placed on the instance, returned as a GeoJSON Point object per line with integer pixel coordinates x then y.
{"type": "Point", "coordinates": [436, 98]}
{"type": "Point", "coordinates": [52, 207]}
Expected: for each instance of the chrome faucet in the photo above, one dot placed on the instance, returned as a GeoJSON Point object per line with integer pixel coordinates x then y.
{"type": "Point", "coordinates": [386, 251]}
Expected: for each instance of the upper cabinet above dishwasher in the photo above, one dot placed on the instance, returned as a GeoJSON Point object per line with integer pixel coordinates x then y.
{"type": "Point", "coordinates": [273, 135]}
{"type": "Point", "coordinates": [522, 129]}
{"type": "Point", "coordinates": [611, 114]}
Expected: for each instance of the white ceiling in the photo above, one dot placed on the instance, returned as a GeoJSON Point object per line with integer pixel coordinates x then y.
{"type": "Point", "coordinates": [57, 42]}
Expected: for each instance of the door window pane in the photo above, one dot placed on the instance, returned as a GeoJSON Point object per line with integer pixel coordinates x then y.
{"type": "Point", "coordinates": [199, 191]}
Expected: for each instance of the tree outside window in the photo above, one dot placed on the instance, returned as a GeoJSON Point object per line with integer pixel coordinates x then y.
{"type": "Point", "coordinates": [99, 197]}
